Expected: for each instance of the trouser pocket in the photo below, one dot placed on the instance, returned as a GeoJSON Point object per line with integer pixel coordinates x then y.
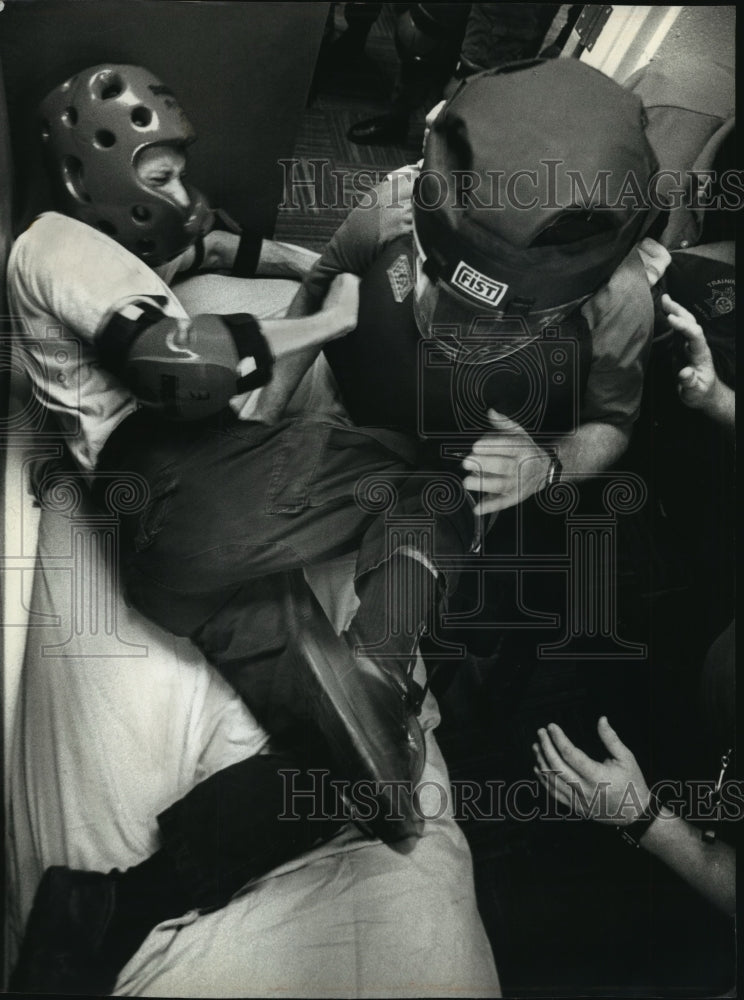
{"type": "Point", "coordinates": [298, 464]}
{"type": "Point", "coordinates": [154, 516]}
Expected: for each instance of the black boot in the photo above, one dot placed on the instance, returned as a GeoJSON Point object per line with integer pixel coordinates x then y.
{"type": "Point", "coordinates": [366, 717]}
{"type": "Point", "coordinates": [63, 948]}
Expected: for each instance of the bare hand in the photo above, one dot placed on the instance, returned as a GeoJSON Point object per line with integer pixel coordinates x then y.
{"type": "Point", "coordinates": [614, 791]}
{"type": "Point", "coordinates": [395, 200]}
{"type": "Point", "coordinates": [429, 121]}
{"type": "Point", "coordinates": [341, 303]}
{"type": "Point", "coordinates": [696, 382]}
{"type": "Point", "coordinates": [506, 465]}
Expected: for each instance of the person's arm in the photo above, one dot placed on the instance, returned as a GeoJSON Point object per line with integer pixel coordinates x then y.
{"type": "Point", "coordinates": [709, 868]}
{"type": "Point", "coordinates": [257, 257]}
{"type": "Point", "coordinates": [507, 466]}
{"type": "Point", "coordinates": [294, 335]}
{"type": "Point", "coordinates": [219, 359]}
{"type": "Point", "coordinates": [289, 370]}
{"type": "Point", "coordinates": [615, 792]}
{"type": "Point", "coordinates": [283, 260]}
{"type": "Point", "coordinates": [384, 214]}
{"type": "Point", "coordinates": [351, 250]}
{"type": "Point", "coordinates": [698, 383]}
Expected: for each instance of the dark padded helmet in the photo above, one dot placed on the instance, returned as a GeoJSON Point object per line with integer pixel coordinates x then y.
{"type": "Point", "coordinates": [94, 126]}
{"type": "Point", "coordinates": [525, 246]}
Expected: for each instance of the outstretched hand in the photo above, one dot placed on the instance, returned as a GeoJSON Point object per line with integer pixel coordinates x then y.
{"type": "Point", "coordinates": [696, 382]}
{"type": "Point", "coordinates": [505, 465]}
{"type": "Point", "coordinates": [395, 195]}
{"type": "Point", "coordinates": [429, 121]}
{"type": "Point", "coordinates": [613, 791]}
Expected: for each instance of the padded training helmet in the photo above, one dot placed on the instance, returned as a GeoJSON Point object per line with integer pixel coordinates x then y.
{"type": "Point", "coordinates": [522, 245]}
{"type": "Point", "coordinates": [94, 126]}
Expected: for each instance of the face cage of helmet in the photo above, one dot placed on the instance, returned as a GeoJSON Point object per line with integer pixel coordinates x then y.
{"type": "Point", "coordinates": [468, 332]}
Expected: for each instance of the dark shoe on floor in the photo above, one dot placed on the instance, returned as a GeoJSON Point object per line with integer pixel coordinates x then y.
{"type": "Point", "coordinates": [62, 949]}
{"type": "Point", "coordinates": [367, 719]}
{"type": "Point", "coordinates": [384, 130]}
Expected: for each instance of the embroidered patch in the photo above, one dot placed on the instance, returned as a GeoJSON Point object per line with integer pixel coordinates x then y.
{"type": "Point", "coordinates": [478, 286]}
{"type": "Point", "coordinates": [401, 277]}
{"type": "Point", "coordinates": [722, 299]}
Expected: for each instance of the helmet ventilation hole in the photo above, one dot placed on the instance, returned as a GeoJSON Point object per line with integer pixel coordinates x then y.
{"type": "Point", "coordinates": [111, 87]}
{"type": "Point", "coordinates": [141, 214]}
{"type": "Point", "coordinates": [45, 130]}
{"type": "Point", "coordinates": [70, 116]}
{"type": "Point", "coordinates": [72, 177]}
{"type": "Point", "coordinates": [145, 247]}
{"type": "Point", "coordinates": [105, 139]}
{"type": "Point", "coordinates": [141, 116]}
{"type": "Point", "coordinates": [106, 227]}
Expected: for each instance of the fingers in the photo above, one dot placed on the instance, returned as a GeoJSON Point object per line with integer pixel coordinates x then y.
{"type": "Point", "coordinates": [612, 741]}
{"type": "Point", "coordinates": [397, 188]}
{"type": "Point", "coordinates": [541, 762]}
{"type": "Point", "coordinates": [668, 304]}
{"type": "Point", "coordinates": [494, 505]}
{"type": "Point", "coordinates": [491, 458]}
{"type": "Point", "coordinates": [495, 462]}
{"type": "Point", "coordinates": [554, 758]}
{"type": "Point", "coordinates": [582, 765]}
{"type": "Point", "coordinates": [551, 783]}
{"type": "Point", "coordinates": [401, 226]}
{"type": "Point", "coordinates": [495, 444]}
{"type": "Point", "coordinates": [695, 340]}
{"type": "Point", "coordinates": [674, 310]}
{"type": "Point", "coordinates": [431, 115]}
{"type": "Point", "coordinates": [505, 424]}
{"type": "Point", "coordinates": [496, 483]}
{"type": "Point", "coordinates": [503, 441]}
{"type": "Point", "coordinates": [688, 383]}
{"type": "Point", "coordinates": [684, 322]}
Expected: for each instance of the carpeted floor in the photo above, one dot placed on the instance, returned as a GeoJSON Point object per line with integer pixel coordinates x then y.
{"type": "Point", "coordinates": [570, 910]}
{"type": "Point", "coordinates": [342, 95]}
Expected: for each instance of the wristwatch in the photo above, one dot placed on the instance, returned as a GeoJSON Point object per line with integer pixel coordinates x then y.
{"type": "Point", "coordinates": [633, 832]}
{"type": "Point", "coordinates": [555, 470]}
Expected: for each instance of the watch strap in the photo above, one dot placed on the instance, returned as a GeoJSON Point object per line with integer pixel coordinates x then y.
{"type": "Point", "coordinates": [555, 469]}
{"type": "Point", "coordinates": [633, 832]}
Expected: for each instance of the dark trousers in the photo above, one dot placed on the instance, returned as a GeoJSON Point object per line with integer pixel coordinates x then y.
{"type": "Point", "coordinates": [500, 33]}
{"type": "Point", "coordinates": [231, 508]}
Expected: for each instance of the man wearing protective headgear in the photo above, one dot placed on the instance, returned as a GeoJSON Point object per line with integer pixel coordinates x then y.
{"type": "Point", "coordinates": [513, 328]}
{"type": "Point", "coordinates": [235, 508]}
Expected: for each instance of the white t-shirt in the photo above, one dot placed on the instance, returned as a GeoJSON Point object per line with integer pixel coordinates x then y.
{"type": "Point", "coordinates": [65, 280]}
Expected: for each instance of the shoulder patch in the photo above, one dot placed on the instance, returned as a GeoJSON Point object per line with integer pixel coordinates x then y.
{"type": "Point", "coordinates": [400, 276]}
{"type": "Point", "coordinates": [722, 297]}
